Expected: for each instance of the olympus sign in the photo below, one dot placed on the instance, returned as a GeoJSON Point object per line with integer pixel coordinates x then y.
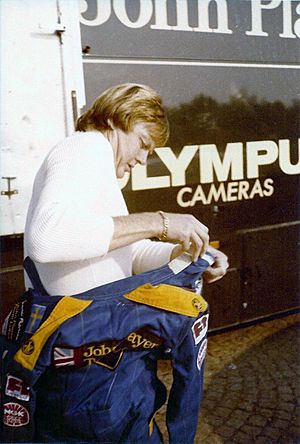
{"type": "Point", "coordinates": [156, 12]}
{"type": "Point", "coordinates": [238, 177]}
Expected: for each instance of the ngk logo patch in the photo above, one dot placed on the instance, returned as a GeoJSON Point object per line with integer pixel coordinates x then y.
{"type": "Point", "coordinates": [16, 388]}
{"type": "Point", "coordinates": [199, 328]}
{"type": "Point", "coordinates": [15, 415]}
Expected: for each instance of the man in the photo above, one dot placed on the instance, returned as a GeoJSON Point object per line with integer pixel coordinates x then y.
{"type": "Point", "coordinates": [82, 367]}
{"type": "Point", "coordinates": [78, 230]}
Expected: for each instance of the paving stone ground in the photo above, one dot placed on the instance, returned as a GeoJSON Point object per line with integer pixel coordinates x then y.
{"type": "Point", "coordinates": [251, 389]}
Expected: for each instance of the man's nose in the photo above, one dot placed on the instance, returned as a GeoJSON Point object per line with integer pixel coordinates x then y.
{"type": "Point", "coordinates": [142, 157]}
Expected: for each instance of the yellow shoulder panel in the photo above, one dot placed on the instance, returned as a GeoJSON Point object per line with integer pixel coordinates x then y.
{"type": "Point", "coordinates": [65, 309]}
{"type": "Point", "coordinates": [169, 298]}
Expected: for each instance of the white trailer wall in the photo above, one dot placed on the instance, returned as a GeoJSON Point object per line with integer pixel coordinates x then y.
{"type": "Point", "coordinates": [41, 69]}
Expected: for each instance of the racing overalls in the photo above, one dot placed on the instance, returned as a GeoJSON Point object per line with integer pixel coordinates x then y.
{"type": "Point", "coordinates": [84, 368]}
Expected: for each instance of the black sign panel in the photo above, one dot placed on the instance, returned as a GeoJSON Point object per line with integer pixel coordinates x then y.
{"type": "Point", "coordinates": [228, 30]}
{"type": "Point", "coordinates": [233, 150]}
{"type": "Point", "coordinates": [228, 73]}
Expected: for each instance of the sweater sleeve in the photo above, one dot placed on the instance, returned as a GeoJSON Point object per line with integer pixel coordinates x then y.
{"type": "Point", "coordinates": [70, 215]}
{"type": "Point", "coordinates": [148, 255]}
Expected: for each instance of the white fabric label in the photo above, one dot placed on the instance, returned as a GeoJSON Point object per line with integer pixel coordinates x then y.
{"type": "Point", "coordinates": [181, 262]}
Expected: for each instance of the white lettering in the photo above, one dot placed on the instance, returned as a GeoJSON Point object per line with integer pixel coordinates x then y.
{"type": "Point", "coordinates": [287, 21]}
{"type": "Point", "coordinates": [297, 22]}
{"type": "Point", "coordinates": [210, 159]}
{"type": "Point", "coordinates": [285, 158]}
{"type": "Point", "coordinates": [158, 11]}
{"type": "Point", "coordinates": [161, 21]}
{"type": "Point", "coordinates": [269, 189]}
{"type": "Point", "coordinates": [103, 12]}
{"type": "Point", "coordinates": [161, 17]}
{"type": "Point", "coordinates": [243, 190]}
{"type": "Point", "coordinates": [177, 165]}
{"type": "Point", "coordinates": [217, 193]}
{"type": "Point", "coordinates": [180, 195]}
{"type": "Point", "coordinates": [232, 189]}
{"type": "Point", "coordinates": [257, 155]}
{"type": "Point", "coordinates": [256, 189]}
{"type": "Point", "coordinates": [222, 17]}
{"type": "Point", "coordinates": [146, 10]}
{"type": "Point", "coordinates": [140, 181]}
{"type": "Point", "coordinates": [256, 7]}
{"type": "Point", "coordinates": [254, 159]}
{"type": "Point", "coordinates": [199, 196]}
{"type": "Point", "coordinates": [226, 192]}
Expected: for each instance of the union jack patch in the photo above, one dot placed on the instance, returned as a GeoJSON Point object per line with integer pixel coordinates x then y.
{"type": "Point", "coordinates": [63, 356]}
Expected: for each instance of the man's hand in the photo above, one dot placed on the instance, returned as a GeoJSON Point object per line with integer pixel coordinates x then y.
{"type": "Point", "coordinates": [182, 229]}
{"type": "Point", "coordinates": [187, 231]}
{"type": "Point", "coordinates": [218, 269]}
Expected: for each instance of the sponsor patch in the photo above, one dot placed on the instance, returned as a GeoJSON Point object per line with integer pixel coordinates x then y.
{"type": "Point", "coordinates": [201, 354]}
{"type": "Point", "coordinates": [66, 308]}
{"type": "Point", "coordinates": [28, 347]}
{"type": "Point", "coordinates": [15, 415]}
{"type": "Point", "coordinates": [107, 353]}
{"type": "Point", "coordinates": [199, 328]}
{"type": "Point", "coordinates": [36, 316]}
{"type": "Point", "coordinates": [15, 322]}
{"type": "Point", "coordinates": [16, 388]}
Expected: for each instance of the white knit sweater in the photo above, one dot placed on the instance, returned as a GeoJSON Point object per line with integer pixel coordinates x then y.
{"type": "Point", "coordinates": [69, 223]}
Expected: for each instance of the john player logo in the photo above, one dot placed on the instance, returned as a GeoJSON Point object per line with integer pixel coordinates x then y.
{"type": "Point", "coordinates": [199, 328]}
{"type": "Point", "coordinates": [107, 353]}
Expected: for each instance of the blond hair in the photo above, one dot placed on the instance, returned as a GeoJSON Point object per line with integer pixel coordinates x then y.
{"type": "Point", "coordinates": [124, 106]}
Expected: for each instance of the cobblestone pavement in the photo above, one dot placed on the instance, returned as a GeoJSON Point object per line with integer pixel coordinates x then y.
{"type": "Point", "coordinates": [251, 389]}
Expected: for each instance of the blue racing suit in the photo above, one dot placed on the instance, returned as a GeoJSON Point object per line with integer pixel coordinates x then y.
{"type": "Point", "coordinates": [83, 368]}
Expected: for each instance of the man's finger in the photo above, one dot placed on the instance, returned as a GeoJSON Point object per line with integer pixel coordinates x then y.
{"type": "Point", "coordinates": [205, 241]}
